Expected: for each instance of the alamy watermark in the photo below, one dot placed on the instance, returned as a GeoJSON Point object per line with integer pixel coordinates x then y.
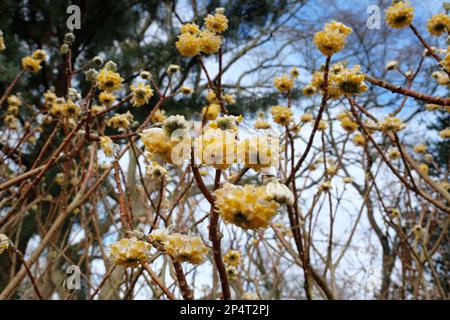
{"type": "Point", "coordinates": [74, 20]}
{"type": "Point", "coordinates": [73, 280]}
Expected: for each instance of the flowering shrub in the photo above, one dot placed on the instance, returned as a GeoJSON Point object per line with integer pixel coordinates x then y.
{"type": "Point", "coordinates": [256, 184]}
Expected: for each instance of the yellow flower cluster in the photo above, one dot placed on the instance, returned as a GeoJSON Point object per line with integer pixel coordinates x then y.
{"type": "Point", "coordinates": [423, 168]}
{"type": "Point", "coordinates": [438, 24]}
{"type": "Point", "coordinates": [11, 121]}
{"type": "Point", "coordinates": [155, 171]}
{"type": "Point", "coordinates": [326, 186]}
{"type": "Point", "coordinates": [188, 44]}
{"type": "Point", "coordinates": [347, 122]}
{"type": "Point", "coordinates": [108, 80]}
{"type": "Point", "coordinates": [193, 41]}
{"type": "Point", "coordinates": [420, 148]}
{"type": "Point", "coordinates": [332, 38]}
{"type": "Point", "coordinates": [349, 81]}
{"type": "Point", "coordinates": [141, 94]}
{"type": "Point", "coordinates": [341, 81]}
{"type": "Point", "coordinates": [232, 272]}
{"type": "Point", "coordinates": [233, 258]}
{"type": "Point", "coordinates": [432, 106]}
{"type": "Point", "coordinates": [445, 134]}
{"type": "Point", "coordinates": [445, 63]}
{"type": "Point", "coordinates": [60, 107]}
{"type": "Point", "coordinates": [211, 111]}
{"type": "Point", "coordinates": [282, 115]}
{"type": "Point", "coordinates": [392, 124]}
{"type": "Point", "coordinates": [49, 98]}
{"type": "Point", "coordinates": [245, 206]}
{"type": "Point", "coordinates": [218, 22]}
{"type": "Point", "coordinates": [309, 90]}
{"type": "Point", "coordinates": [159, 116]}
{"type": "Point", "coordinates": [33, 63]}
{"type": "Point", "coordinates": [2, 42]}
{"type": "Point", "coordinates": [359, 140]}
{"type": "Point", "coordinates": [262, 124]}
{"type": "Point", "coordinates": [306, 117]}
{"type": "Point", "coordinates": [184, 248]}
{"type": "Point", "coordinates": [106, 98]}
{"type": "Point", "coordinates": [4, 242]}
{"type": "Point", "coordinates": [14, 104]}
{"type": "Point", "coordinates": [96, 109]}
{"type": "Point", "coordinates": [129, 252]}
{"type": "Point", "coordinates": [120, 121]}
{"type": "Point", "coordinates": [284, 83]}
{"type": "Point", "coordinates": [399, 15]}
{"type": "Point", "coordinates": [107, 145]}
{"type": "Point", "coordinates": [394, 154]}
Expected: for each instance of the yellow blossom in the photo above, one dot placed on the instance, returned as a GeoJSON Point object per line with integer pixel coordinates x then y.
{"type": "Point", "coordinates": [141, 94]}
{"type": "Point", "coordinates": [211, 112]}
{"type": "Point", "coordinates": [129, 252]}
{"type": "Point", "coordinates": [155, 171]}
{"type": "Point", "coordinates": [39, 55]}
{"type": "Point", "coordinates": [322, 125]}
{"type": "Point", "coordinates": [31, 64]}
{"type": "Point", "coordinates": [233, 258]}
{"type": "Point", "coordinates": [347, 180]}
{"type": "Point", "coordinates": [432, 107]}
{"type": "Point", "coordinates": [211, 97]}
{"type": "Point", "coordinates": [326, 186]}
{"type": "Point", "coordinates": [282, 115]}
{"type": "Point", "coordinates": [159, 116]}
{"type": "Point", "coordinates": [4, 243]}
{"type": "Point", "coordinates": [309, 90]}
{"type": "Point", "coordinates": [438, 24]}
{"type": "Point", "coordinates": [445, 134]}
{"type": "Point", "coordinates": [188, 44]}
{"type": "Point", "coordinates": [217, 23]}
{"type": "Point", "coordinates": [49, 97]}
{"type": "Point", "coordinates": [394, 154]}
{"type": "Point", "coordinates": [108, 80]}
{"type": "Point", "coordinates": [107, 145]}
{"type": "Point", "coordinates": [186, 90]}
{"type": "Point", "coordinates": [96, 109]}
{"type": "Point", "coordinates": [120, 121]}
{"type": "Point", "coordinates": [14, 100]}
{"type": "Point", "coordinates": [191, 28]}
{"type": "Point", "coordinates": [307, 117]}
{"type": "Point", "coordinates": [2, 42]}
{"type": "Point", "coordinates": [392, 124]}
{"type": "Point", "coordinates": [350, 81]}
{"type": "Point", "coordinates": [184, 248]}
{"type": "Point", "coordinates": [210, 42]}
{"type": "Point", "coordinates": [399, 15]}
{"type": "Point", "coordinates": [359, 140]}
{"type": "Point", "coordinates": [348, 124]}
{"type": "Point", "coordinates": [232, 272]}
{"type": "Point", "coordinates": [420, 148]}
{"type": "Point", "coordinates": [229, 99]}
{"type": "Point", "coordinates": [423, 168]}
{"type": "Point", "coordinates": [284, 83]}
{"type": "Point", "coordinates": [332, 38]}
{"type": "Point", "coordinates": [106, 98]}
{"type": "Point", "coordinates": [262, 124]}
{"type": "Point", "coordinates": [245, 206]}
